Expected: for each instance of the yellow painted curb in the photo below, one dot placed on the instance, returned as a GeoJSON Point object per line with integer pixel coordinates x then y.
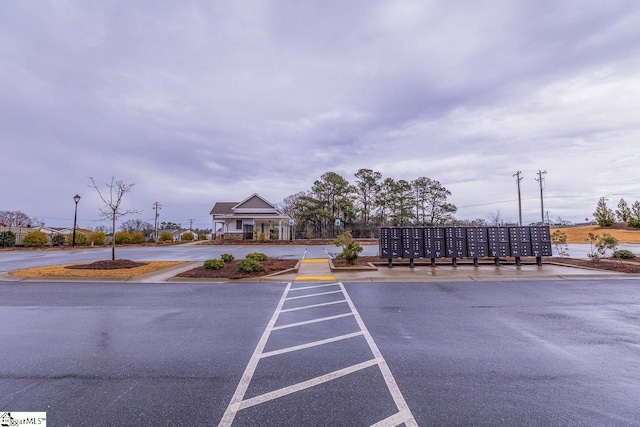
{"type": "Point", "coordinates": [314, 278]}
{"type": "Point", "coordinates": [314, 260]}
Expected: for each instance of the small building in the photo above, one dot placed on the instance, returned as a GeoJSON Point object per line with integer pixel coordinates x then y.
{"type": "Point", "coordinates": [253, 218]}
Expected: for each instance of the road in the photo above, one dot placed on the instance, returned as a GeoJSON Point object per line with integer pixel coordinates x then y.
{"type": "Point", "coordinates": [458, 353]}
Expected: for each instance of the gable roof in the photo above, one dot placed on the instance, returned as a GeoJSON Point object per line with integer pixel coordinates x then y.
{"type": "Point", "coordinates": [254, 205]}
{"type": "Point", "coordinates": [223, 208]}
{"type": "Point", "coordinates": [254, 202]}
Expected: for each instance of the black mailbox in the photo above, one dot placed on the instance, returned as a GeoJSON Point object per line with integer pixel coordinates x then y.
{"type": "Point", "coordinates": [498, 238]}
{"type": "Point", "coordinates": [390, 246]}
{"type": "Point", "coordinates": [540, 241]}
{"type": "Point", "coordinates": [412, 243]}
{"type": "Point", "coordinates": [456, 242]}
{"type": "Point", "coordinates": [434, 242]}
{"type": "Point", "coordinates": [520, 241]}
{"type": "Point", "coordinates": [477, 244]}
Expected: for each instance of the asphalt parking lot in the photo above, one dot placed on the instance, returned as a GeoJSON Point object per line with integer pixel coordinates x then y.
{"type": "Point", "coordinates": [563, 352]}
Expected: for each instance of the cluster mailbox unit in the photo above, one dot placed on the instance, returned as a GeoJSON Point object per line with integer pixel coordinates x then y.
{"type": "Point", "coordinates": [464, 242]}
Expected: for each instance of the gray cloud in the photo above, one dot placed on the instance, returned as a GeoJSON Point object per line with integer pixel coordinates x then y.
{"type": "Point", "coordinates": [198, 102]}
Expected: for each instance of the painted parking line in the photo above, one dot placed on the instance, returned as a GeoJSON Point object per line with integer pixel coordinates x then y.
{"type": "Point", "coordinates": [236, 400]}
{"type": "Point", "coordinates": [384, 368]}
{"type": "Point", "coordinates": [403, 416]}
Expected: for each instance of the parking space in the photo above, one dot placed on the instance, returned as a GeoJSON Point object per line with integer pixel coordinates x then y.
{"type": "Point", "coordinates": [527, 353]}
{"type": "Point", "coordinates": [320, 356]}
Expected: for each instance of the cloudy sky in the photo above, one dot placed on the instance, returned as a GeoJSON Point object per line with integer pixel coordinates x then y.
{"type": "Point", "coordinates": [197, 102]}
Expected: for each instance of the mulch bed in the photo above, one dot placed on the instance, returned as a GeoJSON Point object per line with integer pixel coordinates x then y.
{"type": "Point", "coordinates": [108, 265]}
{"type": "Point", "coordinates": [609, 264]}
{"type": "Point", "coordinates": [230, 270]}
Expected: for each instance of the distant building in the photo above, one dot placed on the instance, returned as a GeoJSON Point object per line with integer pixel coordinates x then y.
{"type": "Point", "coordinates": [252, 218]}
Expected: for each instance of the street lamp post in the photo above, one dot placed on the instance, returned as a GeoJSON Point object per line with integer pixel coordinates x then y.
{"type": "Point", "coordinates": [76, 199]}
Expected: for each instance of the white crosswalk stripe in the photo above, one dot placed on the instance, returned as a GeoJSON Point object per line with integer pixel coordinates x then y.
{"type": "Point", "coordinates": [403, 416]}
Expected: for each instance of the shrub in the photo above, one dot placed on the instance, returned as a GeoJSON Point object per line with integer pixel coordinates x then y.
{"type": "Point", "coordinates": [599, 245]}
{"type": "Point", "coordinates": [7, 239]}
{"type": "Point", "coordinates": [35, 239]}
{"type": "Point", "coordinates": [188, 236]}
{"type": "Point", "coordinates": [559, 240]}
{"type": "Point", "coordinates": [81, 239]}
{"type": "Point", "coordinates": [350, 248]}
{"type": "Point", "coordinates": [137, 237]}
{"type": "Point", "coordinates": [98, 237]}
{"type": "Point", "coordinates": [350, 252]}
{"type": "Point", "coordinates": [165, 236]}
{"type": "Point", "coordinates": [249, 265]}
{"type": "Point", "coordinates": [227, 257]}
{"type": "Point", "coordinates": [635, 223]}
{"type": "Point", "coordinates": [213, 264]}
{"type": "Point", "coordinates": [122, 237]}
{"type": "Point", "coordinates": [258, 256]}
{"type": "Point", "coordinates": [58, 239]}
{"type": "Point", "coordinates": [623, 254]}
{"type": "Point", "coordinates": [202, 237]}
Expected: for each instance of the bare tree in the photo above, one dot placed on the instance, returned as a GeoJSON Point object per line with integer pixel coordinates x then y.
{"type": "Point", "coordinates": [17, 219]}
{"type": "Point", "coordinates": [136, 224]}
{"type": "Point", "coordinates": [495, 217]}
{"type": "Point", "coordinates": [117, 189]}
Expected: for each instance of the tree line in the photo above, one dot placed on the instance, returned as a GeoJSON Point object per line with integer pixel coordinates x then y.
{"type": "Point", "coordinates": [624, 213]}
{"type": "Point", "coordinates": [334, 205]}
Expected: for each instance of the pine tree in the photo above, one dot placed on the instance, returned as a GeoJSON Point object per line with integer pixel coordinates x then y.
{"type": "Point", "coordinates": [604, 215]}
{"type": "Point", "coordinates": [623, 212]}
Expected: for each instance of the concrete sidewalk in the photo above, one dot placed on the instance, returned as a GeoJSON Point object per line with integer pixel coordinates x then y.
{"type": "Point", "coordinates": [323, 270]}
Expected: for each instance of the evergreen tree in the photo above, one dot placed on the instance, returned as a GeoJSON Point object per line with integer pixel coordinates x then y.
{"type": "Point", "coordinates": [623, 212]}
{"type": "Point", "coordinates": [604, 215]}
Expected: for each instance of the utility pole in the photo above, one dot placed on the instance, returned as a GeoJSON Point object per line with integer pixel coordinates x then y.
{"type": "Point", "coordinates": [518, 179]}
{"type": "Point", "coordinates": [156, 206]}
{"type": "Point", "coordinates": [540, 179]}
{"type": "Point", "coordinates": [191, 224]}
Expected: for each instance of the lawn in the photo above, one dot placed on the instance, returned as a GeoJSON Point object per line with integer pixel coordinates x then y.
{"type": "Point", "coordinates": [580, 234]}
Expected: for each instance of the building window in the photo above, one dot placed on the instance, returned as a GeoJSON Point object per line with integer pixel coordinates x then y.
{"type": "Point", "coordinates": [238, 224]}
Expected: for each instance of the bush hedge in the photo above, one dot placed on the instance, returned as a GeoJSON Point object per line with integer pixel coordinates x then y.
{"type": "Point", "coordinates": [213, 264]}
{"type": "Point", "coordinates": [122, 237]}
{"type": "Point", "coordinates": [249, 265]}
{"type": "Point", "coordinates": [227, 257]}
{"type": "Point", "coordinates": [623, 254]}
{"type": "Point", "coordinates": [35, 239]}
{"type": "Point", "coordinates": [81, 239]}
{"type": "Point", "coordinates": [7, 239]}
{"type": "Point", "coordinates": [98, 237]}
{"type": "Point", "coordinates": [257, 256]}
{"type": "Point", "coordinates": [58, 239]}
{"type": "Point", "coordinates": [165, 236]}
{"type": "Point", "coordinates": [137, 237]}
